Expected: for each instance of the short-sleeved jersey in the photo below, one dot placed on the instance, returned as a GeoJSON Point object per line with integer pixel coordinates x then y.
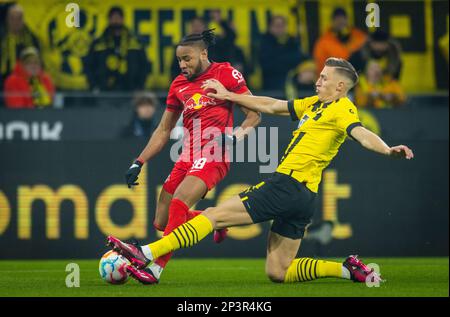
{"type": "Point", "coordinates": [323, 127]}
{"type": "Point", "coordinates": [188, 97]}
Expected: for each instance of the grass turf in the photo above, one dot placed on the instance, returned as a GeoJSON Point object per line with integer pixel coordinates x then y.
{"type": "Point", "coordinates": [223, 278]}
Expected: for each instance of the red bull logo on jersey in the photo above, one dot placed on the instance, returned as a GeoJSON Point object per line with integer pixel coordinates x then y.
{"type": "Point", "coordinates": [197, 101]}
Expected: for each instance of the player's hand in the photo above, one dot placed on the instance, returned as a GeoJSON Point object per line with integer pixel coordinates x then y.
{"type": "Point", "coordinates": [132, 174]}
{"type": "Point", "coordinates": [401, 151]}
{"type": "Point", "coordinates": [213, 84]}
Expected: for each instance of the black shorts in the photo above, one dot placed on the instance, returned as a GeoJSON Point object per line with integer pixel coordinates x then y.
{"type": "Point", "coordinates": [281, 198]}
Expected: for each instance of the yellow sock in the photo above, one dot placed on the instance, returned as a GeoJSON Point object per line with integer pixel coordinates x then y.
{"type": "Point", "coordinates": [307, 269]}
{"type": "Point", "coordinates": [184, 236]}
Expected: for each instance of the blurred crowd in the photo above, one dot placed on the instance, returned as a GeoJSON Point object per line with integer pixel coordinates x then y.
{"type": "Point", "coordinates": [117, 61]}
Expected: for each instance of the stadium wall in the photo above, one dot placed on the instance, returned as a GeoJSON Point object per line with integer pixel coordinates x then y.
{"type": "Point", "coordinates": [160, 24]}
{"type": "Point", "coordinates": [60, 198]}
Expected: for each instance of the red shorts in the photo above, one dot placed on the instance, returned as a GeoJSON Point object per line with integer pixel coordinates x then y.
{"type": "Point", "coordinates": [209, 172]}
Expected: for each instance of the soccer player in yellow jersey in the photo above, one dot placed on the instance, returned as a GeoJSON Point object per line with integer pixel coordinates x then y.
{"type": "Point", "coordinates": [288, 197]}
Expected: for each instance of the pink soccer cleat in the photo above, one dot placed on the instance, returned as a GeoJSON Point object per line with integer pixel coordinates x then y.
{"type": "Point", "coordinates": [144, 276]}
{"type": "Point", "coordinates": [220, 235]}
{"type": "Point", "coordinates": [359, 272]}
{"type": "Point", "coordinates": [132, 252]}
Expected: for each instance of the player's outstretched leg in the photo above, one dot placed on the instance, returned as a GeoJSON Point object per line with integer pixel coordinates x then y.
{"type": "Point", "coordinates": [281, 265]}
{"type": "Point", "coordinates": [219, 234]}
{"type": "Point", "coordinates": [184, 236]}
{"type": "Point", "coordinates": [230, 213]}
{"type": "Point", "coordinates": [307, 269]}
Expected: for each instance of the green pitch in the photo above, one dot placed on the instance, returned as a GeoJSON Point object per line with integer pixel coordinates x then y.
{"type": "Point", "coordinates": [223, 277]}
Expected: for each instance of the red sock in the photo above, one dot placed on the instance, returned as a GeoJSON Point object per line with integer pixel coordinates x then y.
{"type": "Point", "coordinates": [178, 212]}
{"type": "Point", "coordinates": [192, 214]}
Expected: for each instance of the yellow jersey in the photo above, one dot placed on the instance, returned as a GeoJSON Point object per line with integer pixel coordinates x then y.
{"type": "Point", "coordinates": [323, 127]}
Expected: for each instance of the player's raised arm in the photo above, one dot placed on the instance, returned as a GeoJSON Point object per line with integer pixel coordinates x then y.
{"type": "Point", "coordinates": [255, 103]}
{"type": "Point", "coordinates": [160, 136]}
{"type": "Point", "coordinates": [156, 143]}
{"type": "Point", "coordinates": [373, 142]}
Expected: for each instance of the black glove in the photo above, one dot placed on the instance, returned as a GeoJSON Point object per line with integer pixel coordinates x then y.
{"type": "Point", "coordinates": [131, 175]}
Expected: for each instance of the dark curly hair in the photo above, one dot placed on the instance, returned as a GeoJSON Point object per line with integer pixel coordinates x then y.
{"type": "Point", "coordinates": [206, 39]}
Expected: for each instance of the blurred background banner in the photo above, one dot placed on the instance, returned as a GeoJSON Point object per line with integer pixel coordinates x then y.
{"type": "Point", "coordinates": [60, 199]}
{"type": "Point", "coordinates": [428, 122]}
{"type": "Point", "coordinates": [418, 26]}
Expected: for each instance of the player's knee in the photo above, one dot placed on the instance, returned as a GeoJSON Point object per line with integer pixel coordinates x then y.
{"type": "Point", "coordinates": [159, 224]}
{"type": "Point", "coordinates": [276, 275]}
{"type": "Point", "coordinates": [161, 216]}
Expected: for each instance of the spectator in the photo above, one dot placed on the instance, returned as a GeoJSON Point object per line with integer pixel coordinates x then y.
{"type": "Point", "coordinates": [376, 90]}
{"type": "Point", "coordinates": [381, 47]}
{"type": "Point", "coordinates": [279, 53]}
{"type": "Point", "coordinates": [28, 86]}
{"type": "Point", "coordinates": [13, 39]}
{"type": "Point", "coordinates": [142, 123]}
{"type": "Point", "coordinates": [225, 49]}
{"type": "Point", "coordinates": [196, 26]}
{"type": "Point", "coordinates": [341, 40]}
{"type": "Point", "coordinates": [301, 81]}
{"type": "Point", "coordinates": [117, 61]}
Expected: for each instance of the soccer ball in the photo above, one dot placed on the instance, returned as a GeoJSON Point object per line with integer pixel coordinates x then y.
{"type": "Point", "coordinates": [112, 268]}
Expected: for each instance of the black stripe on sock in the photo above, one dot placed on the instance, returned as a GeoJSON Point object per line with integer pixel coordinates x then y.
{"type": "Point", "coordinates": [301, 270]}
{"type": "Point", "coordinates": [311, 270]}
{"type": "Point", "coordinates": [181, 234]}
{"type": "Point", "coordinates": [309, 266]}
{"type": "Point", "coordinates": [191, 233]}
{"type": "Point", "coordinates": [186, 234]}
{"type": "Point", "coordinates": [194, 230]}
{"type": "Point", "coordinates": [315, 268]}
{"type": "Point", "coordinates": [179, 241]}
{"type": "Point", "coordinates": [305, 264]}
{"type": "Point", "coordinates": [305, 269]}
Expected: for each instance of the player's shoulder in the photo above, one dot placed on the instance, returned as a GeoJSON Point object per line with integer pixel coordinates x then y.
{"type": "Point", "coordinates": [228, 75]}
{"type": "Point", "coordinates": [345, 102]}
{"type": "Point", "coordinates": [345, 105]}
{"type": "Point", "coordinates": [311, 99]}
{"type": "Point", "coordinates": [307, 101]}
{"type": "Point", "coordinates": [222, 66]}
{"type": "Point", "coordinates": [226, 69]}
